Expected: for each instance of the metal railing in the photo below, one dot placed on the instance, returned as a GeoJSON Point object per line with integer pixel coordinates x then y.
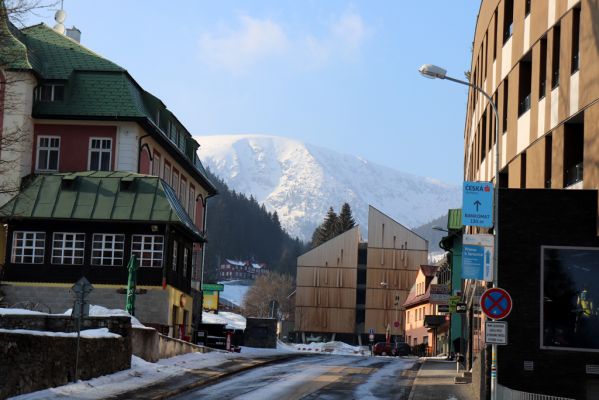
{"type": "Point", "coordinates": [505, 393]}
{"type": "Point", "coordinates": [574, 174]}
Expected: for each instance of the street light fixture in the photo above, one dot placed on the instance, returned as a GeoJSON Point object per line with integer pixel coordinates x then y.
{"type": "Point", "coordinates": [432, 71]}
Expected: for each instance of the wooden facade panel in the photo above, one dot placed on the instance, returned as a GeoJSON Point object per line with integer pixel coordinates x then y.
{"type": "Point", "coordinates": [309, 319]}
{"type": "Point", "coordinates": [380, 319]}
{"type": "Point", "coordinates": [337, 277]}
{"type": "Point", "coordinates": [589, 53]}
{"type": "Point", "coordinates": [394, 279]}
{"type": "Point", "coordinates": [557, 159]}
{"type": "Point", "coordinates": [384, 298]}
{"type": "Point", "coordinates": [305, 276]}
{"type": "Point", "coordinates": [340, 252]}
{"type": "Point", "coordinates": [535, 165]}
{"type": "Point", "coordinates": [396, 259]}
{"type": "Point", "coordinates": [384, 232]}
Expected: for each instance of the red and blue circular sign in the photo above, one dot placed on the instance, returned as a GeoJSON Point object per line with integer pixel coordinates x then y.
{"type": "Point", "coordinates": [496, 303]}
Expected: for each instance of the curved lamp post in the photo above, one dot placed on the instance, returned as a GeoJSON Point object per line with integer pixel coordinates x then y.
{"type": "Point", "coordinates": [432, 72]}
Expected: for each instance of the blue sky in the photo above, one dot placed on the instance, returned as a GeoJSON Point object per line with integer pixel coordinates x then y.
{"type": "Point", "coordinates": [337, 74]}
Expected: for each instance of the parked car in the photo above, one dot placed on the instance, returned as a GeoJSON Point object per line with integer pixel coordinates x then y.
{"type": "Point", "coordinates": [391, 349]}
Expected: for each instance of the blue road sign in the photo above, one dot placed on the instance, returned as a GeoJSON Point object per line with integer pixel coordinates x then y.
{"type": "Point", "coordinates": [473, 261]}
{"type": "Point", "coordinates": [477, 204]}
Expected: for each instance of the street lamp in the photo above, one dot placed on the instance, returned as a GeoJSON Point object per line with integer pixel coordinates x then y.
{"type": "Point", "coordinates": [432, 72]}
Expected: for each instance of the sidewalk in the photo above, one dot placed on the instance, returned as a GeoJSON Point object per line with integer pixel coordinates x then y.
{"type": "Point", "coordinates": [434, 381]}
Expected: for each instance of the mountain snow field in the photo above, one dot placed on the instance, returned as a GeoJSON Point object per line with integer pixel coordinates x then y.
{"type": "Point", "coordinates": [301, 181]}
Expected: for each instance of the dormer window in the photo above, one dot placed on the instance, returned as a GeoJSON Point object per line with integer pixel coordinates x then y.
{"type": "Point", "coordinates": [50, 92]}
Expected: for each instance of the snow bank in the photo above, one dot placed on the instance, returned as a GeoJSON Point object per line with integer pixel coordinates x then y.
{"type": "Point", "coordinates": [99, 333]}
{"type": "Point", "coordinates": [232, 320]}
{"type": "Point", "coordinates": [99, 311]}
{"type": "Point", "coordinates": [19, 311]}
{"type": "Point", "coordinates": [332, 348]}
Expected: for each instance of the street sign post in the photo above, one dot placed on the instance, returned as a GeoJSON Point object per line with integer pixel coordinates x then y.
{"type": "Point", "coordinates": [80, 310]}
{"type": "Point", "coordinates": [496, 332]}
{"type": "Point", "coordinates": [496, 303]}
{"type": "Point", "coordinates": [477, 204]}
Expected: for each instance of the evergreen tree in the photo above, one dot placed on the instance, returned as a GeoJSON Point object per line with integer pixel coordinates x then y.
{"type": "Point", "coordinates": [346, 220]}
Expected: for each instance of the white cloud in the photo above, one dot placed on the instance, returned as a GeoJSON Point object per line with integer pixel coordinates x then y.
{"type": "Point", "coordinates": [350, 30]}
{"type": "Point", "coordinates": [257, 40]}
{"type": "Point", "coordinates": [237, 50]}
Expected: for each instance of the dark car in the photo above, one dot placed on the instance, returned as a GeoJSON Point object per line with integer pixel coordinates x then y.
{"type": "Point", "coordinates": [391, 349]}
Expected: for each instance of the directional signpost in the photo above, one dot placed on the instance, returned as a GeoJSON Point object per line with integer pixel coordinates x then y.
{"type": "Point", "coordinates": [80, 310]}
{"type": "Point", "coordinates": [477, 204]}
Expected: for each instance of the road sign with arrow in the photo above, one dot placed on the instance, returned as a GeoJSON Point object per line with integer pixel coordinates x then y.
{"type": "Point", "coordinates": [477, 206]}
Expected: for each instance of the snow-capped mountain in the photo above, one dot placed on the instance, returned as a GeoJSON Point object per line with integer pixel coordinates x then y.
{"type": "Point", "coordinates": [301, 181]}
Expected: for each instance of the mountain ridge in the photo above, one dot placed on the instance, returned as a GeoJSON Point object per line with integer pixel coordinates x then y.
{"type": "Point", "coordinates": [301, 181]}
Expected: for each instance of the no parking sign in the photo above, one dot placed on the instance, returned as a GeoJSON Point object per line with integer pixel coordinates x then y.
{"type": "Point", "coordinates": [496, 303]}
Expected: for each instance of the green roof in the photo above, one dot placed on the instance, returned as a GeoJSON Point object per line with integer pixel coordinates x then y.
{"type": "Point", "coordinates": [99, 196]}
{"type": "Point", "coordinates": [95, 88]}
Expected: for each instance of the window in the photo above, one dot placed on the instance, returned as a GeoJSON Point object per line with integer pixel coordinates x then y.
{"type": "Point", "coordinates": [100, 153]}
{"type": "Point", "coordinates": [185, 261]}
{"type": "Point", "coordinates": [183, 192]}
{"type": "Point", "coordinates": [167, 172]}
{"type": "Point", "coordinates": [107, 249]}
{"type": "Point", "coordinates": [175, 184]}
{"type": "Point", "coordinates": [191, 207]}
{"type": "Point", "coordinates": [543, 69]}
{"type": "Point", "coordinates": [508, 19]}
{"type": "Point", "coordinates": [68, 248]}
{"type": "Point", "coordinates": [48, 152]}
{"type": "Point", "coordinates": [483, 136]}
{"type": "Point", "coordinates": [28, 247]}
{"type": "Point", "coordinates": [175, 250]}
{"type": "Point", "coordinates": [526, 7]}
{"type": "Point", "coordinates": [156, 165]}
{"type": "Point", "coordinates": [495, 34]}
{"type": "Point", "coordinates": [524, 83]}
{"type": "Point", "coordinates": [148, 249]}
{"type": "Point", "coordinates": [182, 141]}
{"type": "Point", "coordinates": [548, 156]}
{"type": "Point", "coordinates": [50, 92]}
{"type": "Point", "coordinates": [575, 39]}
{"type": "Point", "coordinates": [505, 104]}
{"type": "Point", "coordinates": [555, 58]}
{"type": "Point", "coordinates": [573, 153]}
{"type": "Point", "coordinates": [523, 170]}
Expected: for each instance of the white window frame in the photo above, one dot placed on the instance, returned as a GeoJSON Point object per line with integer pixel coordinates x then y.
{"type": "Point", "coordinates": [74, 254]}
{"type": "Point", "coordinates": [101, 150]}
{"type": "Point", "coordinates": [108, 246]}
{"type": "Point", "coordinates": [149, 250]}
{"type": "Point", "coordinates": [52, 88]}
{"type": "Point", "coordinates": [36, 247]}
{"type": "Point", "coordinates": [175, 255]}
{"type": "Point", "coordinates": [47, 149]}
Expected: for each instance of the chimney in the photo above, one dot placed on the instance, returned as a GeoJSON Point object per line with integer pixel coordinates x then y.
{"type": "Point", "coordinates": [74, 34]}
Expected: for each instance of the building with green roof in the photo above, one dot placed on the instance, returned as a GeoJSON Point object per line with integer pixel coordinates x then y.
{"type": "Point", "coordinates": [65, 226]}
{"type": "Point", "coordinates": [78, 115]}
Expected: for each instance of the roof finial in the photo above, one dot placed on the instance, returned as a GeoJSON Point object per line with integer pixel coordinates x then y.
{"type": "Point", "coordinates": [60, 17]}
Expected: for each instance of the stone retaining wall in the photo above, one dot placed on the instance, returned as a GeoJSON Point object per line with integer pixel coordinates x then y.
{"type": "Point", "coordinates": [33, 362]}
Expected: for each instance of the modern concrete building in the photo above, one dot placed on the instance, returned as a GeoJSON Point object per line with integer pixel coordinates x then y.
{"type": "Point", "coordinates": [346, 287]}
{"type": "Point", "coordinates": [539, 61]}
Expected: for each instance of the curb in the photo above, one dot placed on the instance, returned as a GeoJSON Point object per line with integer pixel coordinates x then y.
{"type": "Point", "coordinates": [412, 389]}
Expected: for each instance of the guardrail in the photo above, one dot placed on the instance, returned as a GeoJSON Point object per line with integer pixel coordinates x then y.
{"type": "Point", "coordinates": [505, 393]}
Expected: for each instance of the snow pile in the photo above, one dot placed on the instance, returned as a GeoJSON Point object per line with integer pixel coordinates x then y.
{"type": "Point", "coordinates": [332, 348]}
{"type": "Point", "coordinates": [99, 333]}
{"type": "Point", "coordinates": [232, 320]}
{"type": "Point", "coordinates": [99, 311]}
{"type": "Point", "coordinates": [19, 311]}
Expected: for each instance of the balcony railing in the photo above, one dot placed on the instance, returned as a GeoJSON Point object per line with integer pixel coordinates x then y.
{"type": "Point", "coordinates": [573, 174]}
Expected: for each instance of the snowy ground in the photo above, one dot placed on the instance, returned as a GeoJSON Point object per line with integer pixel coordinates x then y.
{"type": "Point", "coordinates": [143, 373]}
{"type": "Point", "coordinates": [235, 291]}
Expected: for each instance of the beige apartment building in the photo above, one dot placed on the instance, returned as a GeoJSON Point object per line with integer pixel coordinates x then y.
{"type": "Point", "coordinates": [539, 60]}
{"type": "Point", "coordinates": [346, 287]}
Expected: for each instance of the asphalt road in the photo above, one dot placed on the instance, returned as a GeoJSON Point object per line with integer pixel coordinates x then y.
{"type": "Point", "coordinates": [328, 377]}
